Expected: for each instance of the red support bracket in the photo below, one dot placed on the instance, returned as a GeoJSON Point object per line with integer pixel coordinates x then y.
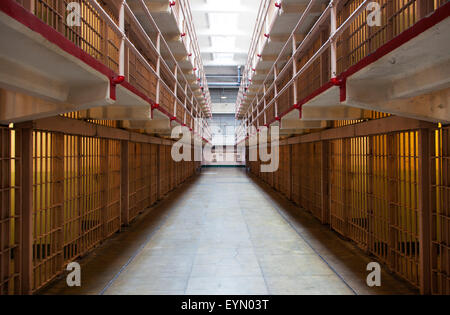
{"type": "Point", "coordinates": [299, 107]}
{"type": "Point", "coordinates": [336, 81]}
{"type": "Point", "coordinates": [266, 35]}
{"type": "Point", "coordinates": [118, 79]}
{"type": "Point", "coordinates": [172, 3]}
{"type": "Point", "coordinates": [155, 106]}
{"type": "Point", "coordinates": [278, 5]}
{"type": "Point", "coordinates": [183, 34]}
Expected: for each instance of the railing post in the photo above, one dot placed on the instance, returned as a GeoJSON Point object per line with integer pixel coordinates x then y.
{"type": "Point", "coordinates": [275, 87]}
{"type": "Point", "coordinates": [124, 183]}
{"type": "Point", "coordinates": [294, 69]}
{"type": "Point", "coordinates": [175, 90]}
{"type": "Point", "coordinates": [158, 67]}
{"type": "Point", "coordinates": [25, 142]}
{"type": "Point", "coordinates": [333, 23]}
{"type": "Point", "coordinates": [424, 212]}
{"type": "Point", "coordinates": [122, 40]}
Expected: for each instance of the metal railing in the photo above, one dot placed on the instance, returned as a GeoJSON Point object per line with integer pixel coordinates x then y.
{"type": "Point", "coordinates": [337, 39]}
{"type": "Point", "coordinates": [103, 35]}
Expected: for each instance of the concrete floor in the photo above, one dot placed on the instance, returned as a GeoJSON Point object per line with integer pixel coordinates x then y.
{"type": "Point", "coordinates": [225, 233]}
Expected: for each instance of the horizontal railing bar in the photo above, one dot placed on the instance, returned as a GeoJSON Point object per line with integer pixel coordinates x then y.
{"type": "Point", "coordinates": [305, 41]}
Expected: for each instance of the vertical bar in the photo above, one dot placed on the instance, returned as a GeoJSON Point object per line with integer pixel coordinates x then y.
{"type": "Point", "coordinates": [122, 40]}
{"type": "Point", "coordinates": [158, 68]}
{"type": "Point", "coordinates": [124, 183]}
{"type": "Point", "coordinates": [57, 191]}
{"type": "Point", "coordinates": [424, 7]}
{"type": "Point", "coordinates": [424, 212]}
{"type": "Point", "coordinates": [158, 172]}
{"type": "Point", "coordinates": [275, 87]}
{"type": "Point", "coordinates": [104, 167]}
{"type": "Point", "coordinates": [294, 69]}
{"type": "Point", "coordinates": [25, 142]}
{"type": "Point", "coordinates": [175, 91]}
{"type": "Point", "coordinates": [333, 41]}
{"type": "Point", "coordinates": [29, 5]}
{"type": "Point", "coordinates": [324, 181]}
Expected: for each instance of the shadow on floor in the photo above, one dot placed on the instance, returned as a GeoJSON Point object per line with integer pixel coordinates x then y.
{"type": "Point", "coordinates": [343, 256]}
{"type": "Point", "coordinates": [101, 265]}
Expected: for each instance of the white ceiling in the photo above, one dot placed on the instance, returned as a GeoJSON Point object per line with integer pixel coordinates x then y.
{"type": "Point", "coordinates": [224, 29]}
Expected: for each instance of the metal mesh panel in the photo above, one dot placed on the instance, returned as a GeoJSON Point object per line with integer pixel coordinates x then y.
{"type": "Point", "coordinates": [403, 210]}
{"type": "Point", "coordinates": [93, 35]}
{"type": "Point", "coordinates": [440, 207]}
{"type": "Point", "coordinates": [10, 212]}
{"type": "Point", "coordinates": [359, 185]}
{"type": "Point", "coordinates": [379, 216]}
{"type": "Point", "coordinates": [47, 206]}
{"type": "Point", "coordinates": [338, 184]}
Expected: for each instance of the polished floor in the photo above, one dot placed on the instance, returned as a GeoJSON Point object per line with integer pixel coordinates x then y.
{"type": "Point", "coordinates": [226, 233]}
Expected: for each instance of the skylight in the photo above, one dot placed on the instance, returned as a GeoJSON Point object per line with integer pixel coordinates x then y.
{"type": "Point", "coordinates": [224, 29]}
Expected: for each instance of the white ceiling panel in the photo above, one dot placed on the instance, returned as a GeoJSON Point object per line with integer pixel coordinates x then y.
{"type": "Point", "coordinates": [224, 29]}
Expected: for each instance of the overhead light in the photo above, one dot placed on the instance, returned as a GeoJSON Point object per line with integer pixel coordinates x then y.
{"type": "Point", "coordinates": [223, 97]}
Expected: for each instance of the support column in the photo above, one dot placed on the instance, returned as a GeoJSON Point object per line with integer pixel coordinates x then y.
{"type": "Point", "coordinates": [424, 212]}
{"type": "Point", "coordinates": [105, 183]}
{"type": "Point", "coordinates": [289, 190]}
{"type": "Point", "coordinates": [158, 175]}
{"type": "Point", "coordinates": [25, 142]}
{"type": "Point", "coordinates": [124, 183]}
{"type": "Point", "coordinates": [324, 182]}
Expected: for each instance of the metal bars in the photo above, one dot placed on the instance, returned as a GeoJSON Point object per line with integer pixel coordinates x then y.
{"type": "Point", "coordinates": [376, 192]}
{"type": "Point", "coordinates": [354, 40]}
{"type": "Point", "coordinates": [440, 208]}
{"type": "Point", "coordinates": [10, 212]}
{"type": "Point", "coordinates": [129, 52]}
{"type": "Point", "coordinates": [61, 194]}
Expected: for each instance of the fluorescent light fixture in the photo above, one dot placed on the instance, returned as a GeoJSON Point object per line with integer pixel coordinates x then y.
{"type": "Point", "coordinates": [223, 97]}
